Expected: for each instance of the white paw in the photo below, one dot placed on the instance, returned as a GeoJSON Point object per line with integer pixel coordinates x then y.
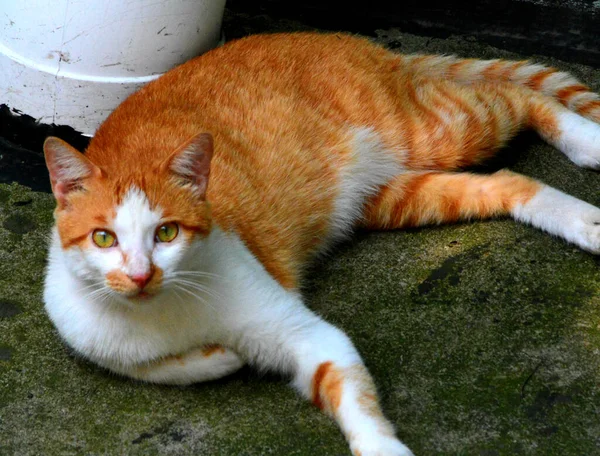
{"type": "Point", "coordinates": [579, 140]}
{"type": "Point", "coordinates": [379, 445]}
{"type": "Point", "coordinates": [563, 215]}
{"type": "Point", "coordinates": [586, 231]}
{"type": "Point", "coordinates": [586, 159]}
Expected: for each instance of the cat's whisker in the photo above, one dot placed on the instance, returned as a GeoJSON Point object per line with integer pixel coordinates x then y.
{"type": "Point", "coordinates": [95, 293]}
{"type": "Point", "coordinates": [181, 300]}
{"type": "Point", "coordinates": [91, 285]}
{"type": "Point", "coordinates": [203, 289]}
{"type": "Point", "coordinates": [101, 293]}
{"type": "Point", "coordinates": [200, 298]}
{"type": "Point", "coordinates": [199, 274]}
{"type": "Point", "coordinates": [194, 284]}
{"type": "Point", "coordinates": [192, 292]}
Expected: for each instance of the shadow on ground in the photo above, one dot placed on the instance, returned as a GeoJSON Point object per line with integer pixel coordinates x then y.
{"type": "Point", "coordinates": [483, 338]}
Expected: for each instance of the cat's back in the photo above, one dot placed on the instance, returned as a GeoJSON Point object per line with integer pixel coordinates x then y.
{"type": "Point", "coordinates": [271, 81]}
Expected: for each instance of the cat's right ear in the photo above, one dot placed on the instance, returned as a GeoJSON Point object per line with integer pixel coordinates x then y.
{"type": "Point", "coordinates": [68, 168]}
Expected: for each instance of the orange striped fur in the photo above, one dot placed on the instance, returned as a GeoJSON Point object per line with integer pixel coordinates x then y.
{"type": "Point", "coordinates": [419, 199]}
{"type": "Point", "coordinates": [551, 82]}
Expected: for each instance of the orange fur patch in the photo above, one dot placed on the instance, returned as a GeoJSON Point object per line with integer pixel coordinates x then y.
{"type": "Point", "coordinates": [536, 81]}
{"type": "Point", "coordinates": [589, 107]}
{"type": "Point", "coordinates": [419, 199]}
{"type": "Point", "coordinates": [210, 350]}
{"type": "Point", "coordinates": [456, 67]}
{"type": "Point", "coordinates": [565, 94]}
{"type": "Point", "coordinates": [327, 387]}
{"type": "Point", "coordinates": [491, 71]}
{"type": "Point", "coordinates": [544, 119]}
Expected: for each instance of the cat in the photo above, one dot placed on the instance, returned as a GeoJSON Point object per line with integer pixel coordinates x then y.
{"type": "Point", "coordinates": [183, 234]}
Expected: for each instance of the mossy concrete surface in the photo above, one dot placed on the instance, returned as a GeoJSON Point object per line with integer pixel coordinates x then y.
{"type": "Point", "coordinates": [483, 339]}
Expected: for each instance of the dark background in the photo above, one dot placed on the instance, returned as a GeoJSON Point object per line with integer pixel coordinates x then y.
{"type": "Point", "coordinates": [566, 29]}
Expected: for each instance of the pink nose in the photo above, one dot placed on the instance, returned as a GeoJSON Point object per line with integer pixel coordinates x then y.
{"type": "Point", "coordinates": [141, 280]}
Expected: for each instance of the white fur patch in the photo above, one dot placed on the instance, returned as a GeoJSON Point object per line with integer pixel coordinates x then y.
{"type": "Point", "coordinates": [371, 167]}
{"type": "Point", "coordinates": [524, 73]}
{"type": "Point", "coordinates": [135, 225]}
{"type": "Point", "coordinates": [562, 215]}
{"type": "Point", "coordinates": [579, 139]}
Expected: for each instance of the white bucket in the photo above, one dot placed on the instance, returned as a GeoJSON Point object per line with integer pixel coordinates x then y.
{"type": "Point", "coordinates": [71, 62]}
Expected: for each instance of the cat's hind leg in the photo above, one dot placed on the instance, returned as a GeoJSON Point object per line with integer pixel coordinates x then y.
{"type": "Point", "coordinates": [574, 135]}
{"type": "Point", "coordinates": [425, 198]}
{"type": "Point", "coordinates": [456, 126]}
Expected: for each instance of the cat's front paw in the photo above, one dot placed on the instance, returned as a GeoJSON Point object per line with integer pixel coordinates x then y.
{"type": "Point", "coordinates": [379, 445]}
{"type": "Point", "coordinates": [588, 231]}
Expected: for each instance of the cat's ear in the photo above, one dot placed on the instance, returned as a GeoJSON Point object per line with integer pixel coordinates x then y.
{"type": "Point", "coordinates": [68, 168]}
{"type": "Point", "coordinates": [191, 162]}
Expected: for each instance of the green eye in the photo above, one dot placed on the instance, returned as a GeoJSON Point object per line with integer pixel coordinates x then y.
{"type": "Point", "coordinates": [104, 238]}
{"type": "Point", "coordinates": [167, 232]}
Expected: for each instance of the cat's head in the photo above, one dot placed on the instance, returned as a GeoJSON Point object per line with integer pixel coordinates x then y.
{"type": "Point", "coordinates": [128, 231]}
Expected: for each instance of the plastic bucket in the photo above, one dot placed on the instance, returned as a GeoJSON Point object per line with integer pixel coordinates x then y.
{"type": "Point", "coordinates": [71, 62]}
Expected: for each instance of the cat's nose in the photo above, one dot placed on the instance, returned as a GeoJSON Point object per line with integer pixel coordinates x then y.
{"type": "Point", "coordinates": [141, 280]}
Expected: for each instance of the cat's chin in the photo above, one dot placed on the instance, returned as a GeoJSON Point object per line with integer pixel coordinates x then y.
{"type": "Point", "coordinates": [142, 297]}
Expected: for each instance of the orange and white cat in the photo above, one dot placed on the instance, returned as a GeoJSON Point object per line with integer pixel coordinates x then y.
{"type": "Point", "coordinates": [183, 234]}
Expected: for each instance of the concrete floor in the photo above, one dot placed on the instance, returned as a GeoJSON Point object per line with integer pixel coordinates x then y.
{"type": "Point", "coordinates": [483, 338]}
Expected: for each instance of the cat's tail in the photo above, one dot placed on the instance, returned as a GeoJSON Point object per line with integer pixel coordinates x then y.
{"type": "Point", "coordinates": [552, 82]}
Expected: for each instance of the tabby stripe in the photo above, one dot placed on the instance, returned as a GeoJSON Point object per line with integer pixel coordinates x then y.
{"type": "Point", "coordinates": [419, 131]}
{"type": "Point", "coordinates": [588, 107]}
{"type": "Point", "coordinates": [403, 205]}
{"type": "Point", "coordinates": [537, 80]}
{"type": "Point", "coordinates": [565, 94]}
{"type": "Point", "coordinates": [511, 110]}
{"type": "Point", "coordinates": [447, 133]}
{"type": "Point", "coordinates": [490, 71]}
{"type": "Point", "coordinates": [455, 68]}
{"type": "Point", "coordinates": [490, 121]}
{"type": "Point", "coordinates": [510, 70]}
{"type": "Point", "coordinates": [473, 122]}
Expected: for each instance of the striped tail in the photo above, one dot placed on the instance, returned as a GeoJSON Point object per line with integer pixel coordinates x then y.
{"type": "Point", "coordinates": [551, 82]}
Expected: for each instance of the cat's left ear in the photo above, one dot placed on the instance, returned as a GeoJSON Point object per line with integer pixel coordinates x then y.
{"type": "Point", "coordinates": [191, 162]}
